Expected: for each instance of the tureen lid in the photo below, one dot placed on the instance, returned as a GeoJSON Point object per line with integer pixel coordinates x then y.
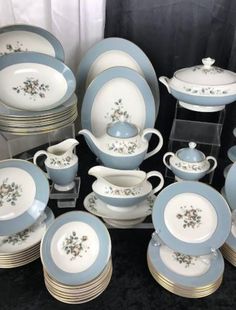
{"type": "Point", "coordinates": [206, 74]}
{"type": "Point", "coordinates": [122, 129]}
{"type": "Point", "coordinates": [191, 154]}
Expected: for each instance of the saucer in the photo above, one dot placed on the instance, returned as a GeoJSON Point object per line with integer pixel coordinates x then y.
{"type": "Point", "coordinates": [95, 206]}
{"type": "Point", "coordinates": [232, 153]}
{"type": "Point", "coordinates": [123, 223]}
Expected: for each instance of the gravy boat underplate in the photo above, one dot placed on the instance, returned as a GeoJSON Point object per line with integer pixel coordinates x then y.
{"type": "Point", "coordinates": [123, 188]}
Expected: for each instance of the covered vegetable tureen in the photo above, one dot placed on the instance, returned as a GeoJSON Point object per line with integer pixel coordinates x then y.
{"type": "Point", "coordinates": [189, 163]}
{"type": "Point", "coordinates": [202, 85]}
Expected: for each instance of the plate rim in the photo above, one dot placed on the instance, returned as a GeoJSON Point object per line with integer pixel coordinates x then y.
{"type": "Point", "coordinates": [56, 44]}
{"type": "Point", "coordinates": [230, 192]}
{"type": "Point", "coordinates": [213, 196]}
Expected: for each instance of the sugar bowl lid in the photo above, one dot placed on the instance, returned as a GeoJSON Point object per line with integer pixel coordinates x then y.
{"type": "Point", "coordinates": [190, 154]}
{"type": "Point", "coordinates": [206, 74]}
{"type": "Point", "coordinates": [122, 129]}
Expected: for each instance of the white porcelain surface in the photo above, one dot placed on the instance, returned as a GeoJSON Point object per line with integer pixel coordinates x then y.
{"type": "Point", "coordinates": [184, 265]}
{"type": "Point", "coordinates": [200, 108]}
{"type": "Point", "coordinates": [190, 218]}
{"type": "Point", "coordinates": [17, 192]}
{"type": "Point", "coordinates": [85, 249]}
{"type": "Point", "coordinates": [40, 91]}
{"type": "Point", "coordinates": [24, 41]}
{"type": "Point", "coordinates": [110, 59]}
{"type": "Point", "coordinates": [233, 230]}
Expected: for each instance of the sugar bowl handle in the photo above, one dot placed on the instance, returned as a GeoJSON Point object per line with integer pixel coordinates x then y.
{"type": "Point", "coordinates": [159, 145]}
{"type": "Point", "coordinates": [160, 185]}
{"type": "Point", "coordinates": [165, 157]}
{"type": "Point", "coordinates": [214, 163]}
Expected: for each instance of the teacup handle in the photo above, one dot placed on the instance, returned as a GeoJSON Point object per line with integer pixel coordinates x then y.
{"type": "Point", "coordinates": [164, 159]}
{"type": "Point", "coordinates": [36, 155]}
{"type": "Point", "coordinates": [159, 145]}
{"type": "Point", "coordinates": [160, 185]}
{"type": "Point", "coordinates": [214, 164]}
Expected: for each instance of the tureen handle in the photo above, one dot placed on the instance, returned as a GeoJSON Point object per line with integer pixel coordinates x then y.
{"type": "Point", "coordinates": [165, 80]}
{"type": "Point", "coordinates": [214, 164]}
{"type": "Point", "coordinates": [159, 145]}
{"type": "Point", "coordinates": [36, 155]}
{"type": "Point", "coordinates": [164, 159]}
{"type": "Point", "coordinates": [160, 185]}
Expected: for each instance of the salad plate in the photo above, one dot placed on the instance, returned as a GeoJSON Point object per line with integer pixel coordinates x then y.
{"type": "Point", "coordinates": [76, 248]}
{"type": "Point", "coordinates": [24, 193]}
{"type": "Point", "coordinates": [12, 245]}
{"type": "Point", "coordinates": [230, 192]}
{"type": "Point", "coordinates": [115, 94]}
{"type": "Point", "coordinates": [34, 81]}
{"type": "Point", "coordinates": [116, 52]}
{"type": "Point", "coordinates": [191, 218]}
{"type": "Point", "coordinates": [25, 38]}
{"type": "Point", "coordinates": [186, 271]}
{"type": "Point", "coordinates": [95, 206]}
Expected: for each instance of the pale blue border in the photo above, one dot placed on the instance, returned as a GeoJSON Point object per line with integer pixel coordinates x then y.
{"type": "Point", "coordinates": [58, 49]}
{"type": "Point", "coordinates": [231, 153]}
{"type": "Point", "coordinates": [230, 187]}
{"type": "Point", "coordinates": [121, 45]}
{"type": "Point", "coordinates": [221, 207]}
{"type": "Point", "coordinates": [212, 275]}
{"type": "Point", "coordinates": [43, 59]}
{"type": "Point", "coordinates": [30, 216]}
{"type": "Point", "coordinates": [96, 268]}
{"type": "Point", "coordinates": [106, 76]}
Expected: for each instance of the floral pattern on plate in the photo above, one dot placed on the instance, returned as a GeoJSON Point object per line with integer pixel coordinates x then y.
{"type": "Point", "coordinates": [190, 217]}
{"type": "Point", "coordinates": [9, 193]}
{"type": "Point", "coordinates": [18, 238]}
{"type": "Point", "coordinates": [74, 246]}
{"type": "Point", "coordinates": [33, 88]}
{"type": "Point", "coordinates": [186, 260]}
{"type": "Point", "coordinates": [117, 112]}
{"type": "Point", "coordinates": [17, 47]}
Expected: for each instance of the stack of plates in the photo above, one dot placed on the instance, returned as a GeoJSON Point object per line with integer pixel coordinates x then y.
{"type": "Point", "coordinates": [24, 193]}
{"type": "Point", "coordinates": [76, 257]}
{"type": "Point", "coordinates": [24, 247]}
{"type": "Point", "coordinates": [229, 248]}
{"type": "Point", "coordinates": [185, 275]}
{"type": "Point", "coordinates": [192, 221]}
{"type": "Point", "coordinates": [119, 217]}
{"type": "Point", "coordinates": [36, 87]}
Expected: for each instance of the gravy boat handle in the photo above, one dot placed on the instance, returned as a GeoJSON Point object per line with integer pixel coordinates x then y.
{"type": "Point", "coordinates": [160, 185]}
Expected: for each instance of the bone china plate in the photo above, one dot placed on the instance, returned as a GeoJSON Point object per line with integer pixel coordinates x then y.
{"type": "Point", "coordinates": [24, 193]}
{"type": "Point", "coordinates": [34, 82]}
{"type": "Point", "coordinates": [191, 218]}
{"type": "Point", "coordinates": [24, 38]}
{"type": "Point", "coordinates": [230, 191]}
{"type": "Point", "coordinates": [115, 52]}
{"type": "Point", "coordinates": [117, 93]}
{"type": "Point", "coordinates": [76, 248]}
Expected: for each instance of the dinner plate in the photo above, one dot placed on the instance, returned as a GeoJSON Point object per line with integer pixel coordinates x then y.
{"type": "Point", "coordinates": [24, 38]}
{"type": "Point", "coordinates": [117, 93]}
{"type": "Point", "coordinates": [34, 81]}
{"type": "Point", "coordinates": [76, 248]}
{"type": "Point", "coordinates": [230, 191]}
{"type": "Point", "coordinates": [232, 153]}
{"type": "Point", "coordinates": [9, 112]}
{"type": "Point", "coordinates": [24, 193]}
{"type": "Point", "coordinates": [231, 240]}
{"type": "Point", "coordinates": [20, 242]}
{"type": "Point", "coordinates": [185, 270]}
{"type": "Point", "coordinates": [191, 218]}
{"type": "Point", "coordinates": [116, 52]}
{"type": "Point", "coordinates": [97, 207]}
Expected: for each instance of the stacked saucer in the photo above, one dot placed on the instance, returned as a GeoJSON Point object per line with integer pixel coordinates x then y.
{"type": "Point", "coordinates": [119, 217]}
{"type": "Point", "coordinates": [24, 247]}
{"type": "Point", "coordinates": [76, 257]}
{"type": "Point", "coordinates": [191, 221]}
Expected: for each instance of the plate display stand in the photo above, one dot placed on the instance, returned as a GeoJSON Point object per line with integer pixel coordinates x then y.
{"type": "Point", "coordinates": [202, 128]}
{"type": "Point", "coordinates": [66, 199]}
{"type": "Point", "coordinates": [24, 147]}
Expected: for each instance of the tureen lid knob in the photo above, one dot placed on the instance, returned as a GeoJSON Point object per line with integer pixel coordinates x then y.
{"type": "Point", "coordinates": [208, 62]}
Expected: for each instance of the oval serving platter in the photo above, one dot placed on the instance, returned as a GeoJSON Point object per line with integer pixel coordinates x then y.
{"type": "Point", "coordinates": [115, 93]}
{"type": "Point", "coordinates": [191, 218]}
{"type": "Point", "coordinates": [113, 52]}
{"type": "Point", "coordinates": [24, 193]}
{"type": "Point", "coordinates": [27, 38]}
{"type": "Point", "coordinates": [34, 82]}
